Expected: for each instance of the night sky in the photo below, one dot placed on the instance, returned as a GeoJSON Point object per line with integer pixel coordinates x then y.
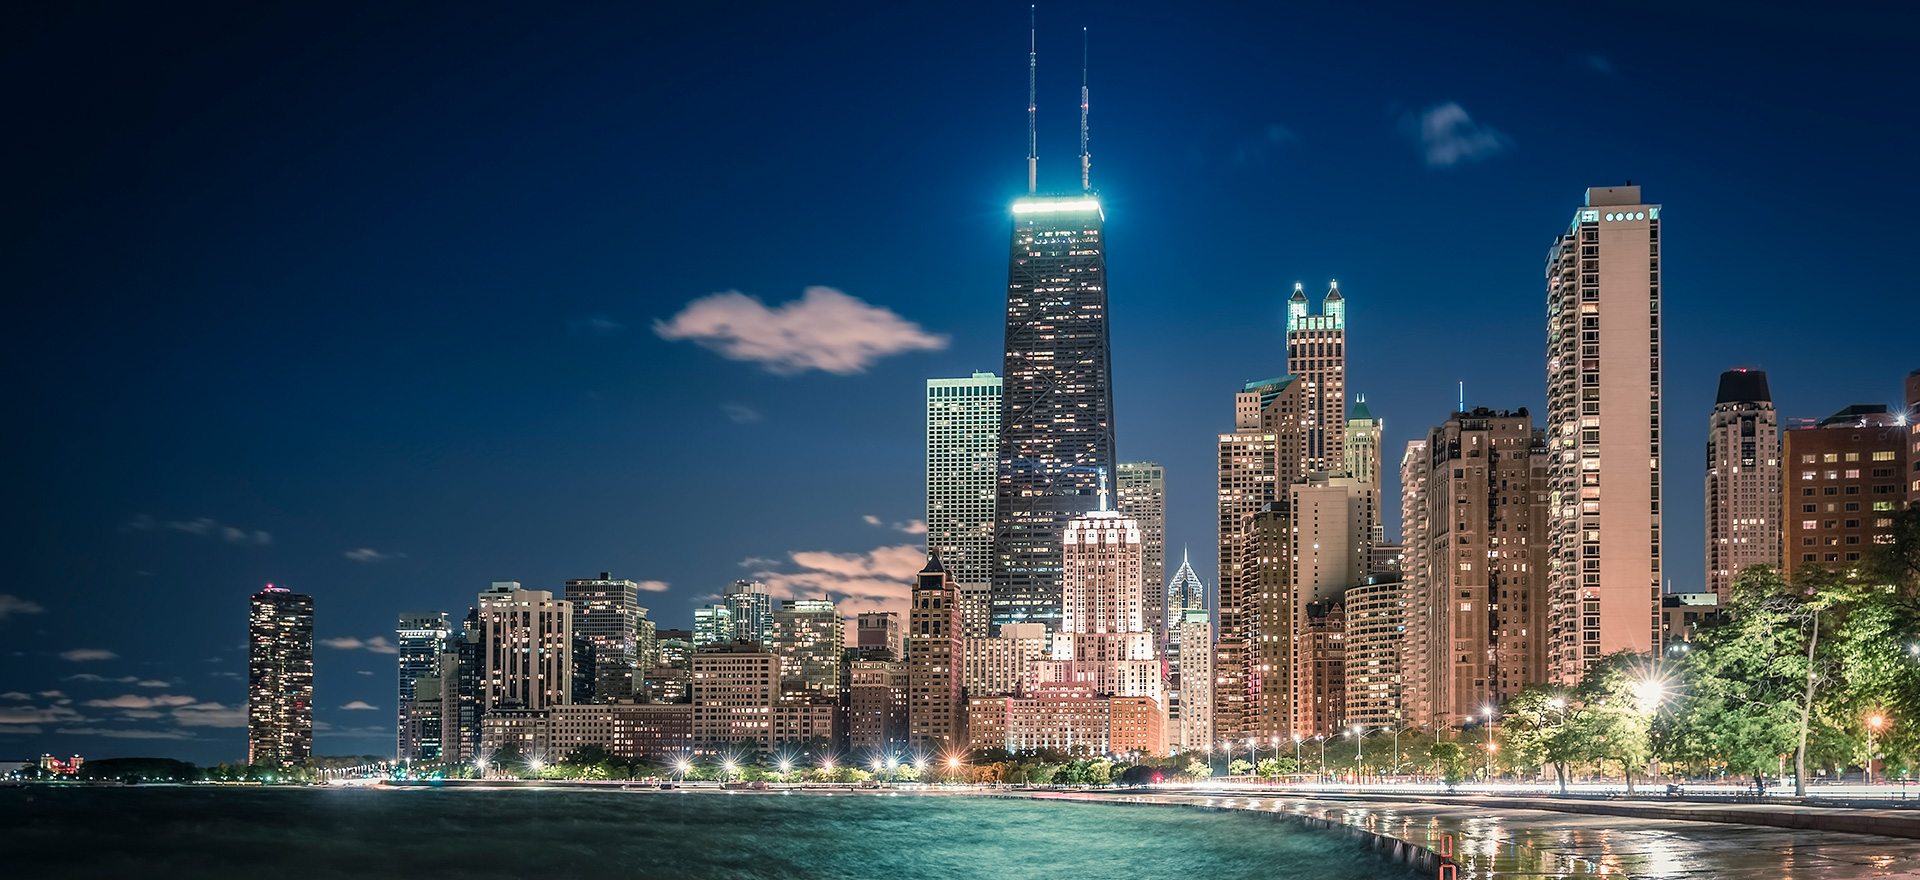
{"type": "Point", "coordinates": [383, 305]}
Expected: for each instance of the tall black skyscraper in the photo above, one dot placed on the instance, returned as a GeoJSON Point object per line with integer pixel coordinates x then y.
{"type": "Point", "coordinates": [279, 677]}
{"type": "Point", "coordinates": [1056, 423]}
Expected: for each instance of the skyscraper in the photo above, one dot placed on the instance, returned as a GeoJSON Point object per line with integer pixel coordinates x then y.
{"type": "Point", "coordinates": [1316, 352]}
{"type": "Point", "coordinates": [1191, 720]}
{"type": "Point", "coordinates": [712, 625]}
{"type": "Point", "coordinates": [750, 607]}
{"type": "Point", "coordinates": [1143, 496]}
{"type": "Point", "coordinates": [935, 716]}
{"type": "Point", "coordinates": [279, 677]}
{"type": "Point", "coordinates": [1185, 593]}
{"type": "Point", "coordinates": [1478, 576]}
{"type": "Point", "coordinates": [1056, 427]}
{"type": "Point", "coordinates": [607, 613]}
{"type": "Point", "coordinates": [422, 636]}
{"type": "Point", "coordinates": [1845, 485]}
{"type": "Point", "coordinates": [1113, 649]}
{"type": "Point", "coordinates": [878, 636]}
{"type": "Point", "coordinates": [1743, 480]}
{"type": "Point", "coordinates": [1418, 655]}
{"type": "Point", "coordinates": [963, 451]}
{"type": "Point", "coordinates": [1332, 549]}
{"type": "Point", "coordinates": [1361, 459]}
{"type": "Point", "coordinates": [1264, 455]}
{"type": "Point", "coordinates": [1603, 431]}
{"type": "Point", "coordinates": [810, 639]}
{"type": "Point", "coordinates": [527, 650]}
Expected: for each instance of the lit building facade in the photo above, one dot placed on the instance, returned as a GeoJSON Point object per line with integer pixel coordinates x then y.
{"type": "Point", "coordinates": [1004, 664]}
{"type": "Point", "coordinates": [963, 454]}
{"type": "Point", "coordinates": [1142, 495]}
{"type": "Point", "coordinates": [1743, 480]}
{"type": "Point", "coordinates": [712, 625]}
{"type": "Point", "coordinates": [1417, 659]}
{"type": "Point", "coordinates": [1265, 453]}
{"type": "Point", "coordinates": [877, 709]}
{"type": "Point", "coordinates": [608, 615]}
{"type": "Point", "coordinates": [936, 719]}
{"type": "Point", "coordinates": [750, 609]}
{"type": "Point", "coordinates": [1332, 537]}
{"type": "Point", "coordinates": [1375, 627]}
{"type": "Point", "coordinates": [527, 645]}
{"type": "Point", "coordinates": [1193, 727]}
{"type": "Point", "coordinates": [1056, 427]}
{"type": "Point", "coordinates": [1317, 354]}
{"type": "Point", "coordinates": [279, 677]}
{"type": "Point", "coordinates": [734, 688]}
{"type": "Point", "coordinates": [1105, 620]}
{"type": "Point", "coordinates": [879, 635]}
{"type": "Point", "coordinates": [1844, 484]}
{"type": "Point", "coordinates": [421, 637]}
{"type": "Point", "coordinates": [810, 638]}
{"type": "Point", "coordinates": [1603, 430]}
{"type": "Point", "coordinates": [1481, 580]}
{"type": "Point", "coordinates": [1266, 581]}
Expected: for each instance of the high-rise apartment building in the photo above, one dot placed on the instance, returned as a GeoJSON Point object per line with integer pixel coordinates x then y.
{"type": "Point", "coordinates": [527, 646]}
{"type": "Point", "coordinates": [751, 610]}
{"type": "Point", "coordinates": [1316, 352]}
{"type": "Point", "coordinates": [1004, 664]}
{"type": "Point", "coordinates": [421, 637]}
{"type": "Point", "coordinates": [877, 709]}
{"type": "Point", "coordinates": [1417, 665]}
{"type": "Point", "coordinates": [1056, 427]}
{"type": "Point", "coordinates": [936, 721]}
{"type": "Point", "coordinates": [810, 638]}
{"type": "Point", "coordinates": [1143, 496]}
{"type": "Point", "coordinates": [279, 677]}
{"type": "Point", "coordinates": [734, 687]}
{"type": "Point", "coordinates": [1266, 583]}
{"type": "Point", "coordinates": [1190, 720]}
{"type": "Point", "coordinates": [1743, 480]}
{"type": "Point", "coordinates": [1603, 431]}
{"type": "Point", "coordinates": [963, 454]}
{"type": "Point", "coordinates": [1478, 582]}
{"type": "Point", "coordinates": [1844, 484]}
{"type": "Point", "coordinates": [1264, 454]}
{"type": "Point", "coordinates": [1332, 549]}
{"type": "Point", "coordinates": [1186, 593]}
{"type": "Point", "coordinates": [462, 670]}
{"type": "Point", "coordinates": [608, 615]}
{"type": "Point", "coordinates": [1912, 420]}
{"type": "Point", "coordinates": [1362, 462]}
{"type": "Point", "coordinates": [1375, 628]}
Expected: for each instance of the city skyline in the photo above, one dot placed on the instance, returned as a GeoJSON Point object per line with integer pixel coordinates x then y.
{"type": "Point", "coordinates": [384, 503]}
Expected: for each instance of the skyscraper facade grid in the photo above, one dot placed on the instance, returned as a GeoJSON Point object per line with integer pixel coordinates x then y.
{"type": "Point", "coordinates": [963, 451]}
{"type": "Point", "coordinates": [279, 677]}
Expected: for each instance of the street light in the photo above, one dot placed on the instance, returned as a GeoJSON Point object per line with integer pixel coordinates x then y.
{"type": "Point", "coordinates": [1873, 725]}
{"type": "Point", "coordinates": [1253, 751]}
{"type": "Point", "coordinates": [1296, 751]}
{"type": "Point", "coordinates": [682, 766]}
{"type": "Point", "coordinates": [1489, 712]}
{"type": "Point", "coordinates": [1323, 754]}
{"type": "Point", "coordinates": [1358, 738]}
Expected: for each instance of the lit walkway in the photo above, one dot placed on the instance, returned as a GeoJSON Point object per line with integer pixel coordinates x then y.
{"type": "Point", "coordinates": [1512, 842]}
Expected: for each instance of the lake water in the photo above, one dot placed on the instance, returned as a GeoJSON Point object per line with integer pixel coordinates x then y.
{"type": "Point", "coordinates": [217, 832]}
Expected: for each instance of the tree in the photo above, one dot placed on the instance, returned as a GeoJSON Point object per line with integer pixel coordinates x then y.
{"type": "Point", "coordinates": [1239, 767]}
{"type": "Point", "coordinates": [1616, 702]}
{"type": "Point", "coordinates": [1536, 730]}
{"type": "Point", "coordinates": [1896, 559]}
{"type": "Point", "coordinates": [1450, 762]}
{"type": "Point", "coordinates": [1198, 770]}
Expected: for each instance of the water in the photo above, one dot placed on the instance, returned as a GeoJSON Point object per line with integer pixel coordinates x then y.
{"type": "Point", "coordinates": [203, 831]}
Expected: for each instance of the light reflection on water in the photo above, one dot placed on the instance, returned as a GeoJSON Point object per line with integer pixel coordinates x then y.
{"type": "Point", "coordinates": [202, 831]}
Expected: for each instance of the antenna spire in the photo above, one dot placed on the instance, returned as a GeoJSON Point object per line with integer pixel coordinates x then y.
{"type": "Point", "coordinates": [1103, 489]}
{"type": "Point", "coordinates": [1086, 159]}
{"type": "Point", "coordinates": [1033, 63]}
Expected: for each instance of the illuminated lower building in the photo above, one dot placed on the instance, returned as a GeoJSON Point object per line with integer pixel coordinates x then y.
{"type": "Point", "coordinates": [279, 677]}
{"type": "Point", "coordinates": [1844, 484]}
{"type": "Point", "coordinates": [421, 637]}
{"type": "Point", "coordinates": [527, 646]}
{"type": "Point", "coordinates": [1004, 664]}
{"type": "Point", "coordinates": [633, 731]}
{"type": "Point", "coordinates": [1191, 718]}
{"type": "Point", "coordinates": [936, 719]}
{"type": "Point", "coordinates": [877, 709]}
{"type": "Point", "coordinates": [1142, 494]}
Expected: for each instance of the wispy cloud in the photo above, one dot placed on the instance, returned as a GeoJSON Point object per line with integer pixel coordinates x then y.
{"type": "Point", "coordinates": [911, 527]}
{"type": "Point", "coordinates": [203, 527]}
{"type": "Point", "coordinates": [364, 671]}
{"type": "Point", "coordinates": [878, 580]}
{"type": "Point", "coordinates": [377, 644]}
{"type": "Point", "coordinates": [83, 655]}
{"type": "Point", "coordinates": [209, 715]}
{"type": "Point", "coordinates": [11, 605]}
{"type": "Point", "coordinates": [1448, 136]}
{"type": "Point", "coordinates": [137, 701]}
{"type": "Point", "coordinates": [651, 586]}
{"type": "Point", "coordinates": [360, 706]}
{"type": "Point", "coordinates": [16, 715]}
{"type": "Point", "coordinates": [125, 733]}
{"type": "Point", "coordinates": [15, 695]}
{"type": "Point", "coordinates": [368, 554]}
{"type": "Point", "coordinates": [150, 683]}
{"type": "Point", "coordinates": [740, 413]}
{"type": "Point", "coordinates": [1596, 62]}
{"type": "Point", "coordinates": [823, 330]}
{"type": "Point", "coordinates": [596, 325]}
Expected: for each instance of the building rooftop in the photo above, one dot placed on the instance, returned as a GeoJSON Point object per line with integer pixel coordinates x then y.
{"type": "Point", "coordinates": [1858, 414]}
{"type": "Point", "coordinates": [1741, 386]}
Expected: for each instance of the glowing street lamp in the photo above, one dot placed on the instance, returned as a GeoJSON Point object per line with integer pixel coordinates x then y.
{"type": "Point", "coordinates": [1873, 726]}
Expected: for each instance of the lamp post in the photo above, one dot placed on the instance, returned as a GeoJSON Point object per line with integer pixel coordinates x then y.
{"type": "Point", "coordinates": [1873, 725]}
{"type": "Point", "coordinates": [1296, 751]}
{"type": "Point", "coordinates": [1489, 745]}
{"type": "Point", "coordinates": [1253, 752]}
{"type": "Point", "coordinates": [1359, 737]}
{"type": "Point", "coordinates": [1323, 754]}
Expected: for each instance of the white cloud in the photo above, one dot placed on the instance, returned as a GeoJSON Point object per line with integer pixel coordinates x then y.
{"type": "Point", "coordinates": [377, 644]}
{"type": "Point", "coordinates": [871, 520]}
{"type": "Point", "coordinates": [11, 605]}
{"type": "Point", "coordinates": [758, 562]}
{"type": "Point", "coordinates": [878, 580]}
{"type": "Point", "coordinates": [1447, 135]}
{"type": "Point", "coordinates": [740, 413]}
{"type": "Point", "coordinates": [150, 683]}
{"type": "Point", "coordinates": [365, 671]}
{"type": "Point", "coordinates": [32, 715]}
{"type": "Point", "coordinates": [368, 554]}
{"type": "Point", "coordinates": [53, 695]}
{"type": "Point", "coordinates": [15, 695]}
{"type": "Point", "coordinates": [912, 527]}
{"type": "Point", "coordinates": [360, 706]}
{"type": "Point", "coordinates": [203, 527]}
{"type": "Point", "coordinates": [596, 325]}
{"type": "Point", "coordinates": [82, 655]}
{"type": "Point", "coordinates": [136, 701]}
{"type": "Point", "coordinates": [19, 729]}
{"type": "Point", "coordinates": [209, 715]}
{"type": "Point", "coordinates": [823, 330]}
{"type": "Point", "coordinates": [125, 733]}
{"type": "Point", "coordinates": [651, 586]}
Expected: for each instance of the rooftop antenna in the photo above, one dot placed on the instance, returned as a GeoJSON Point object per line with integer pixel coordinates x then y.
{"type": "Point", "coordinates": [1033, 63]}
{"type": "Point", "coordinates": [1086, 159]}
{"type": "Point", "coordinates": [1103, 489]}
{"type": "Point", "coordinates": [1463, 396]}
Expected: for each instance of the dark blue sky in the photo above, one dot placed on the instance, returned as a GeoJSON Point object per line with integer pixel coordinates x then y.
{"type": "Point", "coordinates": [363, 302]}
